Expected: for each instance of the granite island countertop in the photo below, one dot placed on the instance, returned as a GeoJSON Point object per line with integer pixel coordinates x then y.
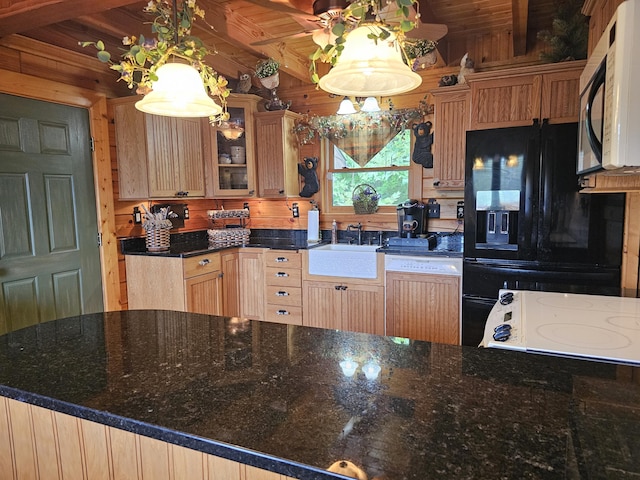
{"type": "Point", "coordinates": [276, 397]}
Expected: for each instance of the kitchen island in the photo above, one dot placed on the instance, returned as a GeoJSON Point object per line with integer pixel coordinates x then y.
{"type": "Point", "coordinates": [293, 400]}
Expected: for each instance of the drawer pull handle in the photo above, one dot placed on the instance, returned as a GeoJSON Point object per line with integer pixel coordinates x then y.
{"type": "Point", "coordinates": [282, 274]}
{"type": "Point", "coordinates": [282, 294]}
{"type": "Point", "coordinates": [204, 262]}
{"type": "Point", "coordinates": [282, 259]}
{"type": "Point", "coordinates": [282, 312]}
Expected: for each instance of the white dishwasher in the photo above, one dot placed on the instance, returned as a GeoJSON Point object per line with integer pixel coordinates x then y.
{"type": "Point", "coordinates": [424, 297]}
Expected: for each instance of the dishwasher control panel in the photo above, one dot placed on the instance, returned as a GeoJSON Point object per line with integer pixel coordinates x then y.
{"type": "Point", "coordinates": [425, 264]}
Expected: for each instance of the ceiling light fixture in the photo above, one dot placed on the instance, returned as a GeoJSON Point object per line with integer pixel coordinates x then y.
{"type": "Point", "coordinates": [346, 107]}
{"type": "Point", "coordinates": [170, 70]}
{"type": "Point", "coordinates": [370, 68]}
{"type": "Point", "coordinates": [370, 105]}
{"type": "Point", "coordinates": [178, 92]}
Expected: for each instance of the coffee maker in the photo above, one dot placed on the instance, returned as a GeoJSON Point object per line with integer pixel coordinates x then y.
{"type": "Point", "coordinates": [412, 219]}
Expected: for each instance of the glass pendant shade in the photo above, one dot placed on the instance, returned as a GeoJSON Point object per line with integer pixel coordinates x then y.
{"type": "Point", "coordinates": [370, 105]}
{"type": "Point", "coordinates": [346, 107]}
{"type": "Point", "coordinates": [369, 68]}
{"type": "Point", "coordinates": [178, 92]}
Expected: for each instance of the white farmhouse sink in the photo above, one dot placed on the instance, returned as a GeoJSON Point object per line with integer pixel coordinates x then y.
{"type": "Point", "coordinates": [343, 260]}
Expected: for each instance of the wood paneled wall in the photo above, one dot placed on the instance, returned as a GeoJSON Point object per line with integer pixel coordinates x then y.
{"type": "Point", "coordinates": [39, 443]}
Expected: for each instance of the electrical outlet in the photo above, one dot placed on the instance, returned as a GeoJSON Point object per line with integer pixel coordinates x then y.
{"type": "Point", "coordinates": [295, 210]}
{"type": "Point", "coordinates": [433, 208]}
{"type": "Point", "coordinates": [460, 210]}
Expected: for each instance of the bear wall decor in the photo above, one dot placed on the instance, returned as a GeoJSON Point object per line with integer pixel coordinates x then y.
{"type": "Point", "coordinates": [307, 170]}
{"type": "Point", "coordinates": [422, 148]}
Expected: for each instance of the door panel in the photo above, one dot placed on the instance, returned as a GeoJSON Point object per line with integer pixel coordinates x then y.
{"type": "Point", "coordinates": [49, 255]}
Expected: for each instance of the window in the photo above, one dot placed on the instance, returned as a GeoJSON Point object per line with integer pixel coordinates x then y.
{"type": "Point", "coordinates": [387, 172]}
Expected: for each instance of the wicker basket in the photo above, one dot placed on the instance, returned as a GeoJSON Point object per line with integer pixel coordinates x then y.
{"type": "Point", "coordinates": [365, 199]}
{"type": "Point", "coordinates": [157, 239]}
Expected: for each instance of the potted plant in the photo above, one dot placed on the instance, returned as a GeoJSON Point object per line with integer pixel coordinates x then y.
{"type": "Point", "coordinates": [267, 72]}
{"type": "Point", "coordinates": [143, 57]}
{"type": "Point", "coordinates": [422, 52]}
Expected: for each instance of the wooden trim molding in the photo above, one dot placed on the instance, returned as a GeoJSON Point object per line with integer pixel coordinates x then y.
{"type": "Point", "coordinates": [18, 84]}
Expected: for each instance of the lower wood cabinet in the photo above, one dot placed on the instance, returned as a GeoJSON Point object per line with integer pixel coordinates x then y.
{"type": "Point", "coordinates": [283, 287]}
{"type": "Point", "coordinates": [191, 284]}
{"type": "Point", "coordinates": [41, 443]}
{"type": "Point", "coordinates": [251, 286]}
{"type": "Point", "coordinates": [231, 285]}
{"type": "Point", "coordinates": [423, 307]}
{"type": "Point", "coordinates": [343, 305]}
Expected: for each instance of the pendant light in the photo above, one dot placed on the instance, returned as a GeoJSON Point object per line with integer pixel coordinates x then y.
{"type": "Point", "coordinates": [179, 91]}
{"type": "Point", "coordinates": [346, 107]}
{"type": "Point", "coordinates": [370, 68]}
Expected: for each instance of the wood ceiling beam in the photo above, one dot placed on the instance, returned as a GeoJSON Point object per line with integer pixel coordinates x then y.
{"type": "Point", "coordinates": [236, 29]}
{"type": "Point", "coordinates": [520, 19]}
{"type": "Point", "coordinates": [22, 15]}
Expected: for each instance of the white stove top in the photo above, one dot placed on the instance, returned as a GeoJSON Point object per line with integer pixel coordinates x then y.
{"type": "Point", "coordinates": [590, 326]}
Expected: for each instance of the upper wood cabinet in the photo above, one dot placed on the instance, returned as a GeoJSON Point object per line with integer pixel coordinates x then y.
{"type": "Point", "coordinates": [228, 173]}
{"type": "Point", "coordinates": [158, 157]}
{"type": "Point", "coordinates": [451, 118]}
{"type": "Point", "coordinates": [517, 96]}
{"type": "Point", "coordinates": [277, 154]}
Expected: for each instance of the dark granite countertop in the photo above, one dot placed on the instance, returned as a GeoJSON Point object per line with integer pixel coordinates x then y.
{"type": "Point", "coordinates": [195, 243]}
{"type": "Point", "coordinates": [274, 396]}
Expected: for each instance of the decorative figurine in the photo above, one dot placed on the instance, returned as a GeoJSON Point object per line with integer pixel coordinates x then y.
{"type": "Point", "coordinates": [310, 176]}
{"type": "Point", "coordinates": [448, 80]}
{"type": "Point", "coordinates": [244, 83]}
{"type": "Point", "coordinates": [466, 67]}
{"type": "Point", "coordinates": [422, 148]}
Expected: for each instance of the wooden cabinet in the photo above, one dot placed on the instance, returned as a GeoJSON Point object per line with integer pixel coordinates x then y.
{"type": "Point", "coordinates": [344, 304]}
{"type": "Point", "coordinates": [283, 287]}
{"type": "Point", "coordinates": [423, 307]}
{"type": "Point", "coordinates": [277, 154]}
{"type": "Point", "coordinates": [231, 285]}
{"type": "Point", "coordinates": [231, 166]}
{"type": "Point", "coordinates": [158, 157]}
{"type": "Point", "coordinates": [191, 284]}
{"type": "Point", "coordinates": [517, 96]}
{"type": "Point", "coordinates": [251, 283]}
{"type": "Point", "coordinates": [451, 118]}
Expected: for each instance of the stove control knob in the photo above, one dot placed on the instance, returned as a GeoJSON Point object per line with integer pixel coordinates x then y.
{"type": "Point", "coordinates": [506, 298]}
{"type": "Point", "coordinates": [503, 327]}
{"type": "Point", "coordinates": [502, 335]}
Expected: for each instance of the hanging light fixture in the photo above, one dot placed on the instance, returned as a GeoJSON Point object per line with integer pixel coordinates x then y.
{"type": "Point", "coordinates": [178, 92]}
{"type": "Point", "coordinates": [370, 105]}
{"type": "Point", "coordinates": [346, 107]}
{"type": "Point", "coordinates": [369, 67]}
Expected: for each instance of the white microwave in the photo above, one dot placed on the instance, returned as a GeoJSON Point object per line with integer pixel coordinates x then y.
{"type": "Point", "coordinates": [609, 135]}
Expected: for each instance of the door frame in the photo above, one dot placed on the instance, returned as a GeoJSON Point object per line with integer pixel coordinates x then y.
{"type": "Point", "coordinates": [37, 88]}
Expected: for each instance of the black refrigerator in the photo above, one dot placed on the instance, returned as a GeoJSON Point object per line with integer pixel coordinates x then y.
{"type": "Point", "coordinates": [526, 225]}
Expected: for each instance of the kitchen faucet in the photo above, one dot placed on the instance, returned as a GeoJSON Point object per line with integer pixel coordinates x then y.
{"type": "Point", "coordinates": [358, 227]}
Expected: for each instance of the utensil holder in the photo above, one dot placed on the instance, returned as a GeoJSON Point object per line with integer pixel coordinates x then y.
{"type": "Point", "coordinates": [158, 239]}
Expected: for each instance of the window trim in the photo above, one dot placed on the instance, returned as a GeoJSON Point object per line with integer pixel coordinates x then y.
{"type": "Point", "coordinates": [414, 188]}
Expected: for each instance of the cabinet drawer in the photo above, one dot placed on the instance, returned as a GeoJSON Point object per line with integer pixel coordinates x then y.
{"type": "Point", "coordinates": [284, 314]}
{"type": "Point", "coordinates": [283, 259]}
{"type": "Point", "coordinates": [284, 295]}
{"type": "Point", "coordinates": [201, 264]}
{"type": "Point", "coordinates": [291, 277]}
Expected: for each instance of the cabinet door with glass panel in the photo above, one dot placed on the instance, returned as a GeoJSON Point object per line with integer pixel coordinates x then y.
{"type": "Point", "coordinates": [233, 150]}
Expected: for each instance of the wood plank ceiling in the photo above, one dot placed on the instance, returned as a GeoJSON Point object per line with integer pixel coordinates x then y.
{"type": "Point", "coordinates": [238, 24]}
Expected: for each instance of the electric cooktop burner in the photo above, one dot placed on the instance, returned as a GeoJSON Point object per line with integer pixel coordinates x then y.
{"type": "Point", "coordinates": [587, 326]}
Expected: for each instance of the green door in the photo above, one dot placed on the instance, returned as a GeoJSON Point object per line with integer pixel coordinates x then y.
{"type": "Point", "coordinates": [49, 255]}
